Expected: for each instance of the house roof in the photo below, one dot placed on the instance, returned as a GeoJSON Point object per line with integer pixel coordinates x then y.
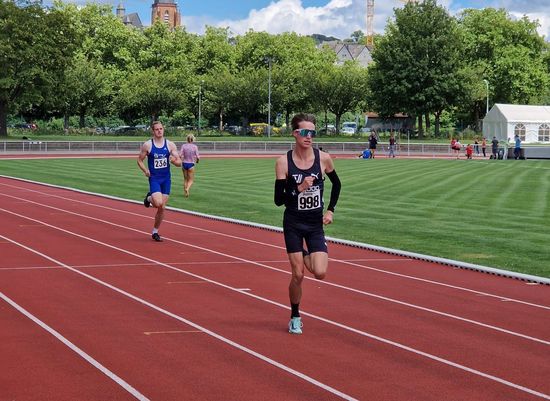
{"type": "Point", "coordinates": [349, 51]}
{"type": "Point", "coordinates": [519, 113]}
{"type": "Point", "coordinates": [132, 19]}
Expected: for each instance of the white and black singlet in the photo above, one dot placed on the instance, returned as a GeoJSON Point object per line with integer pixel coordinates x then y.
{"type": "Point", "coordinates": [303, 217]}
{"type": "Point", "coordinates": [309, 203]}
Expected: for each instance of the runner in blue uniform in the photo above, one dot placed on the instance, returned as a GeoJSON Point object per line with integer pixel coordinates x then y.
{"type": "Point", "coordinates": [299, 185]}
{"type": "Point", "coordinates": [160, 152]}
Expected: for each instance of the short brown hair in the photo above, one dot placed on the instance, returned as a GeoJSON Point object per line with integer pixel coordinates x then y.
{"type": "Point", "coordinates": [298, 118]}
{"type": "Point", "coordinates": [155, 123]}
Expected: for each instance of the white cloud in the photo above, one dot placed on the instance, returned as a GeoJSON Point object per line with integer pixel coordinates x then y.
{"type": "Point", "coordinates": [342, 17]}
{"type": "Point", "coordinates": [337, 18]}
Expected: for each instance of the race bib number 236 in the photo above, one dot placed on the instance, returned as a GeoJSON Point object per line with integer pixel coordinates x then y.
{"type": "Point", "coordinates": [161, 163]}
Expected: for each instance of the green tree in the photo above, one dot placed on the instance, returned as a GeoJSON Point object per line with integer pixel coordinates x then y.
{"type": "Point", "coordinates": [357, 37]}
{"type": "Point", "coordinates": [151, 93]}
{"type": "Point", "coordinates": [248, 93]}
{"type": "Point", "coordinates": [215, 52]}
{"type": "Point", "coordinates": [509, 53]}
{"type": "Point", "coordinates": [417, 63]}
{"type": "Point", "coordinates": [87, 87]}
{"type": "Point", "coordinates": [339, 89]}
{"type": "Point", "coordinates": [217, 91]}
{"type": "Point", "coordinates": [35, 47]}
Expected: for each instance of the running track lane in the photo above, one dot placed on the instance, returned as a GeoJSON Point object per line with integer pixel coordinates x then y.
{"type": "Point", "coordinates": [225, 258]}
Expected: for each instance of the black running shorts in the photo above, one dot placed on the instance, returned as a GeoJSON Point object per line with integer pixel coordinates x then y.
{"type": "Point", "coordinates": [297, 230]}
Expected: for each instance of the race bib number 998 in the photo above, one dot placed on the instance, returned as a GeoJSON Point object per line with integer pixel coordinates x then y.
{"type": "Point", "coordinates": [161, 163]}
{"type": "Point", "coordinates": [309, 199]}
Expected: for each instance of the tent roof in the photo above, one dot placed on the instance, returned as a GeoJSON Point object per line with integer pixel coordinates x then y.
{"type": "Point", "coordinates": [523, 113]}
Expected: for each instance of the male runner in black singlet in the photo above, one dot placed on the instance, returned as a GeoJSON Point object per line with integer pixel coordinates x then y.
{"type": "Point", "coordinates": [299, 186]}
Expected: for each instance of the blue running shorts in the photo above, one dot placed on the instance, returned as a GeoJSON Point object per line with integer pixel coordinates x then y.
{"type": "Point", "coordinates": [160, 184]}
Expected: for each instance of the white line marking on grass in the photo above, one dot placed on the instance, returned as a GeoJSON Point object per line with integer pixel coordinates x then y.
{"type": "Point", "coordinates": [177, 317]}
{"type": "Point", "coordinates": [122, 383]}
{"type": "Point", "coordinates": [328, 321]}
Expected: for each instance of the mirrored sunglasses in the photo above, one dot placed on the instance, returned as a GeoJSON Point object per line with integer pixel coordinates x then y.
{"type": "Point", "coordinates": [305, 132]}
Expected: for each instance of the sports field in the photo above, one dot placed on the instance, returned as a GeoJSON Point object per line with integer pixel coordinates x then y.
{"type": "Point", "coordinates": [489, 213]}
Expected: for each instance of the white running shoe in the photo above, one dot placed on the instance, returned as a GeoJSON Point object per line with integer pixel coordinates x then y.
{"type": "Point", "coordinates": [295, 325]}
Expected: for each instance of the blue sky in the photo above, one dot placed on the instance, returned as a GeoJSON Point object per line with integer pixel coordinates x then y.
{"type": "Point", "coordinates": [330, 17]}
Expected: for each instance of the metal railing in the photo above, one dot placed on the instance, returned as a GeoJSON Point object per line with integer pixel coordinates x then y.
{"type": "Point", "coordinates": [128, 147]}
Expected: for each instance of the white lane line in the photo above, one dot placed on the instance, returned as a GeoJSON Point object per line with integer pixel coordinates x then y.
{"type": "Point", "coordinates": [179, 318]}
{"type": "Point", "coordinates": [499, 297]}
{"type": "Point", "coordinates": [271, 245]}
{"type": "Point", "coordinates": [345, 327]}
{"type": "Point", "coordinates": [29, 268]}
{"type": "Point", "coordinates": [132, 265]}
{"type": "Point", "coordinates": [150, 333]}
{"type": "Point", "coordinates": [324, 282]}
{"type": "Point", "coordinates": [118, 380]}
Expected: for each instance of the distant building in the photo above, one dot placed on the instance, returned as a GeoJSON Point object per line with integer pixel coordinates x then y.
{"type": "Point", "coordinates": [349, 51]}
{"type": "Point", "coordinates": [161, 10]}
{"type": "Point", "coordinates": [167, 12]}
{"type": "Point", "coordinates": [128, 19]}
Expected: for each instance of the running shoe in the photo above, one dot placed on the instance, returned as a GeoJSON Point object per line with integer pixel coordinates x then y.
{"type": "Point", "coordinates": [295, 325]}
{"type": "Point", "coordinates": [156, 237]}
{"type": "Point", "coordinates": [146, 202]}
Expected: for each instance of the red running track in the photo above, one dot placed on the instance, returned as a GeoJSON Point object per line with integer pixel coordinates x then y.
{"type": "Point", "coordinates": [92, 309]}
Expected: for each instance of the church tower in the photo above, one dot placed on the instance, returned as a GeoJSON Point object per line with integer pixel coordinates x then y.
{"type": "Point", "coordinates": [120, 10]}
{"type": "Point", "coordinates": [167, 12]}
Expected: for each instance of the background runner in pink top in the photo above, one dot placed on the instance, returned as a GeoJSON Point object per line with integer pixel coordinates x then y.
{"type": "Point", "coordinates": [189, 153]}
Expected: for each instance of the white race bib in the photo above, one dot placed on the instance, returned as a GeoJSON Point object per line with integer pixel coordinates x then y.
{"type": "Point", "coordinates": [161, 163]}
{"type": "Point", "coordinates": [310, 198]}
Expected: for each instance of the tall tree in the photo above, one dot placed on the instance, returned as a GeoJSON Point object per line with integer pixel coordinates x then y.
{"type": "Point", "coordinates": [417, 63]}
{"type": "Point", "coordinates": [35, 47]}
{"type": "Point", "coordinates": [508, 53]}
{"type": "Point", "coordinates": [339, 89]}
{"type": "Point", "coordinates": [150, 93]}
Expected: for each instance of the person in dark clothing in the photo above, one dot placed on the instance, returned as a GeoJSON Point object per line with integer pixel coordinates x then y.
{"type": "Point", "coordinates": [372, 144]}
{"type": "Point", "coordinates": [299, 186]}
{"type": "Point", "coordinates": [494, 147]}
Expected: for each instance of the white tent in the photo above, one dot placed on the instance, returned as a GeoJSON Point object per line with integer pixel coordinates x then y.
{"type": "Point", "coordinates": [531, 123]}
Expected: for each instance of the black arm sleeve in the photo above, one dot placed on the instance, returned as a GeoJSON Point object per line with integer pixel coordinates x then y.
{"type": "Point", "coordinates": [335, 192]}
{"type": "Point", "coordinates": [279, 197]}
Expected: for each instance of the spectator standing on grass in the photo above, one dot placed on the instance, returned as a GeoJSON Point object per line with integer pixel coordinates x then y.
{"type": "Point", "coordinates": [372, 144]}
{"type": "Point", "coordinates": [160, 152]}
{"type": "Point", "coordinates": [484, 146]}
{"type": "Point", "coordinates": [456, 146]}
{"type": "Point", "coordinates": [494, 147]}
{"type": "Point", "coordinates": [299, 186]}
{"type": "Point", "coordinates": [189, 153]}
{"type": "Point", "coordinates": [391, 148]}
{"type": "Point", "coordinates": [517, 147]}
